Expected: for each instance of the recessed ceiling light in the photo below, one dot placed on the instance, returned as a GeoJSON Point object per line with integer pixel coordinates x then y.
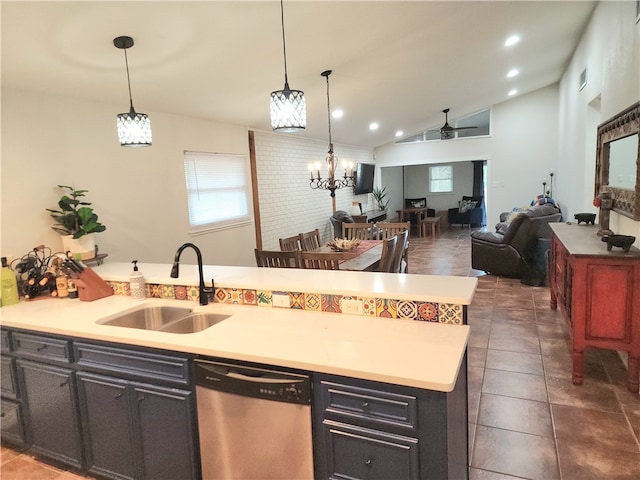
{"type": "Point", "coordinates": [513, 72]}
{"type": "Point", "coordinates": [337, 113]}
{"type": "Point", "coordinates": [373, 126]}
{"type": "Point", "coordinates": [512, 40]}
{"type": "Point", "coordinates": [399, 133]}
{"type": "Point", "coordinates": [512, 92]}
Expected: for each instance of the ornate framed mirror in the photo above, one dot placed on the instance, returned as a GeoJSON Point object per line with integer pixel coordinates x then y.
{"type": "Point", "coordinates": [618, 161]}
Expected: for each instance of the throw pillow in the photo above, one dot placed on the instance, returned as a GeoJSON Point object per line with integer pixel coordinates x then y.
{"type": "Point", "coordinates": [466, 205]}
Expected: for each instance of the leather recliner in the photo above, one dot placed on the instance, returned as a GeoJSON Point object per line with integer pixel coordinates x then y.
{"type": "Point", "coordinates": [511, 253]}
{"type": "Point", "coordinates": [336, 219]}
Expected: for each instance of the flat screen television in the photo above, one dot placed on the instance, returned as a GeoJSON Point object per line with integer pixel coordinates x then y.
{"type": "Point", "coordinates": [364, 178]}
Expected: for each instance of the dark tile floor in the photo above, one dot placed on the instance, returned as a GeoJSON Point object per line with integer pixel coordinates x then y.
{"type": "Point", "coordinates": [526, 419]}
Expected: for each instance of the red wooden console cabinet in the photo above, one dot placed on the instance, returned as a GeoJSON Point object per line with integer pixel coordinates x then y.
{"type": "Point", "coordinates": [599, 294]}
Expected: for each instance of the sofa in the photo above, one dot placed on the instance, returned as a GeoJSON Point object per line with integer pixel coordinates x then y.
{"type": "Point", "coordinates": [511, 250]}
{"type": "Point", "coordinates": [468, 212]}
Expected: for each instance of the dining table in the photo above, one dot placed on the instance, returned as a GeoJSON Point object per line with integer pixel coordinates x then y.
{"type": "Point", "coordinates": [405, 214]}
{"type": "Point", "coordinates": [364, 257]}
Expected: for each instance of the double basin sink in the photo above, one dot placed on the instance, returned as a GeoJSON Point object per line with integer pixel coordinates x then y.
{"type": "Point", "coordinates": [163, 318]}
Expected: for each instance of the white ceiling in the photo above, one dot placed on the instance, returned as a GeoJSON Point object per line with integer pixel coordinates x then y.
{"type": "Point", "coordinates": [397, 63]}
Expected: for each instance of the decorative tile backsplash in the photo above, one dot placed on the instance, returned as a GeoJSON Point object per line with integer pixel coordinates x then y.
{"type": "Point", "coordinates": [316, 302]}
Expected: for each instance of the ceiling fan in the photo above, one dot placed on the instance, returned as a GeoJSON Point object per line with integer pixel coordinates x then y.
{"type": "Point", "coordinates": [447, 131]}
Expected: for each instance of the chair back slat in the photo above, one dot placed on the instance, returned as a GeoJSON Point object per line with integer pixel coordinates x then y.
{"type": "Point", "coordinates": [278, 259]}
{"type": "Point", "coordinates": [400, 251]}
{"type": "Point", "coordinates": [321, 260]}
{"type": "Point", "coordinates": [390, 229]}
{"type": "Point", "coordinates": [289, 244]}
{"type": "Point", "coordinates": [310, 241]}
{"type": "Point", "coordinates": [361, 231]}
{"type": "Point", "coordinates": [388, 248]}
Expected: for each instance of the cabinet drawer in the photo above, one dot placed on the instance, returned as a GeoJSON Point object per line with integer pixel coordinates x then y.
{"type": "Point", "coordinates": [8, 381]}
{"type": "Point", "coordinates": [42, 348]}
{"type": "Point", "coordinates": [379, 407]}
{"type": "Point", "coordinates": [132, 363]}
{"type": "Point", "coordinates": [360, 453]}
{"type": "Point", "coordinates": [11, 422]}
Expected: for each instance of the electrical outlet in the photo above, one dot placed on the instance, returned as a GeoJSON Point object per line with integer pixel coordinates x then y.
{"type": "Point", "coordinates": [352, 306]}
{"type": "Point", "coordinates": [280, 300]}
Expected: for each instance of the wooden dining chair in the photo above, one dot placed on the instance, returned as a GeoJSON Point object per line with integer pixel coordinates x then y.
{"type": "Point", "coordinates": [278, 259]}
{"type": "Point", "coordinates": [390, 229]}
{"type": "Point", "coordinates": [310, 241]}
{"type": "Point", "coordinates": [361, 231]}
{"type": "Point", "coordinates": [321, 260]}
{"type": "Point", "coordinates": [400, 253]}
{"type": "Point", "coordinates": [388, 249]}
{"type": "Point", "coordinates": [289, 244]}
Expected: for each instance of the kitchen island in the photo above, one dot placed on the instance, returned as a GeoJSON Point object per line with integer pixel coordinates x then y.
{"type": "Point", "coordinates": [424, 359]}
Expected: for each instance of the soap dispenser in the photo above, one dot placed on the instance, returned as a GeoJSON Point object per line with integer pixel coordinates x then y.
{"type": "Point", "coordinates": [137, 284]}
{"type": "Point", "coordinates": [9, 285]}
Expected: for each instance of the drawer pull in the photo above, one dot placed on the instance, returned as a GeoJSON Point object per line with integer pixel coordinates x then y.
{"type": "Point", "coordinates": [64, 384]}
{"type": "Point", "coordinates": [118, 395]}
{"type": "Point", "coordinates": [365, 406]}
{"type": "Point", "coordinates": [368, 463]}
{"type": "Point", "coordinates": [41, 347]}
{"type": "Point", "coordinates": [141, 398]}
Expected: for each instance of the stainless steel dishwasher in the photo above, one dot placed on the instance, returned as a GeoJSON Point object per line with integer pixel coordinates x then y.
{"type": "Point", "coordinates": [254, 424]}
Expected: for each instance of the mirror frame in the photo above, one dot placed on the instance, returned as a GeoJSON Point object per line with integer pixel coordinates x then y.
{"type": "Point", "coordinates": [625, 201]}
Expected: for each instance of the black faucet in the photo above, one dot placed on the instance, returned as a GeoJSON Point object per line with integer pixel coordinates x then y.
{"type": "Point", "coordinates": [202, 291]}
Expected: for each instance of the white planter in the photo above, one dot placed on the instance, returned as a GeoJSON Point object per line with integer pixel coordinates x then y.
{"type": "Point", "coordinates": [84, 246]}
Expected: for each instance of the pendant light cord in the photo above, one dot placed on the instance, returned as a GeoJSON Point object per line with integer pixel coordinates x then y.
{"type": "Point", "coordinates": [284, 45]}
{"type": "Point", "coordinates": [329, 112]}
{"type": "Point", "coordinates": [126, 62]}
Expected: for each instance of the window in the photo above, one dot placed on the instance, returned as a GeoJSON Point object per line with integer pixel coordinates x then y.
{"type": "Point", "coordinates": [217, 190]}
{"type": "Point", "coordinates": [441, 179]}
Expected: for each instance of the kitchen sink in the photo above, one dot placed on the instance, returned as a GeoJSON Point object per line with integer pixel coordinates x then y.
{"type": "Point", "coordinates": [148, 318]}
{"type": "Point", "coordinates": [165, 319]}
{"type": "Point", "coordinates": [194, 323]}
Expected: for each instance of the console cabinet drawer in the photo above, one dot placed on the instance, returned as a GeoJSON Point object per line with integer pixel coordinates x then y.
{"type": "Point", "coordinates": [39, 347]}
{"type": "Point", "coordinates": [132, 363]}
{"type": "Point", "coordinates": [360, 453]}
{"type": "Point", "coordinates": [378, 407]}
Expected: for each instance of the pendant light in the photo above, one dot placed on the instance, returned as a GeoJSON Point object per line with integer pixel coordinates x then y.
{"type": "Point", "coordinates": [288, 107]}
{"type": "Point", "coordinates": [134, 129]}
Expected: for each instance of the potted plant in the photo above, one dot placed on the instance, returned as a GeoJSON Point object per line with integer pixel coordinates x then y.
{"type": "Point", "coordinates": [76, 223]}
{"type": "Point", "coordinates": [379, 195]}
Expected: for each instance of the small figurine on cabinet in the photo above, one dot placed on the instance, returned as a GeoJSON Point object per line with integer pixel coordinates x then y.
{"type": "Point", "coordinates": [622, 241]}
{"type": "Point", "coordinates": [587, 218]}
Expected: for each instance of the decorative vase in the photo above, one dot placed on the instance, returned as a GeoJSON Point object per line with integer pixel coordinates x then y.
{"type": "Point", "coordinates": [84, 246]}
{"type": "Point", "coordinates": [355, 208]}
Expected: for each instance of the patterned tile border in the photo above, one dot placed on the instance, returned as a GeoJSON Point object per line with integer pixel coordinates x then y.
{"type": "Point", "coordinates": [317, 302]}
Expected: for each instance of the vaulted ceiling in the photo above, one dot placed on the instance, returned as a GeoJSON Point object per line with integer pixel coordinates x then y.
{"type": "Point", "coordinates": [397, 63]}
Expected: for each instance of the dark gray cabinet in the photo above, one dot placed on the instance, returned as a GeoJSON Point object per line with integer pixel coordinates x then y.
{"type": "Point", "coordinates": [50, 411]}
{"type": "Point", "coordinates": [135, 430]}
{"type": "Point", "coordinates": [116, 411]}
{"type": "Point", "coordinates": [376, 431]}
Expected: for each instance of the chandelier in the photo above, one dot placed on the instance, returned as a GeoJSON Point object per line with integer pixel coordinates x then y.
{"type": "Point", "coordinates": [331, 183]}
{"type": "Point", "coordinates": [287, 107]}
{"type": "Point", "coordinates": [134, 129]}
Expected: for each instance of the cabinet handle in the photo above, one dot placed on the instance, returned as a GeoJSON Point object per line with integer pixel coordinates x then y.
{"type": "Point", "coordinates": [141, 398]}
{"type": "Point", "coordinates": [368, 463]}
{"type": "Point", "coordinates": [365, 406]}
{"type": "Point", "coordinates": [118, 395]}
{"type": "Point", "coordinates": [64, 384]}
{"type": "Point", "coordinates": [41, 347]}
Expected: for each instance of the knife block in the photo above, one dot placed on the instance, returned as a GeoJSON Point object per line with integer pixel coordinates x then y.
{"type": "Point", "coordinates": [91, 287]}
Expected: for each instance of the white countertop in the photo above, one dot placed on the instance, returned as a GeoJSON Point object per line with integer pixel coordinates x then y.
{"type": "Point", "coordinates": [426, 288]}
{"type": "Point", "coordinates": [405, 352]}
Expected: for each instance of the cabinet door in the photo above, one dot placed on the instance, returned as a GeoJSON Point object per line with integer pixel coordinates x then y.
{"type": "Point", "coordinates": [50, 415]}
{"type": "Point", "coordinates": [166, 423]}
{"type": "Point", "coordinates": [107, 426]}
{"type": "Point", "coordinates": [8, 381]}
{"type": "Point", "coordinates": [359, 453]}
{"type": "Point", "coordinates": [11, 422]}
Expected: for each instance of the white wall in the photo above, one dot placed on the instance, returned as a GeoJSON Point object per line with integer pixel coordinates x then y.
{"type": "Point", "coordinates": [138, 193]}
{"type": "Point", "coordinates": [520, 152]}
{"type": "Point", "coordinates": [416, 185]}
{"type": "Point", "coordinates": [610, 50]}
{"type": "Point", "coordinates": [288, 205]}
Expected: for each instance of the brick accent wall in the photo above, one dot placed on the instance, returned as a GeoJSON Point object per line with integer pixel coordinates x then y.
{"type": "Point", "coordinates": [288, 205]}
